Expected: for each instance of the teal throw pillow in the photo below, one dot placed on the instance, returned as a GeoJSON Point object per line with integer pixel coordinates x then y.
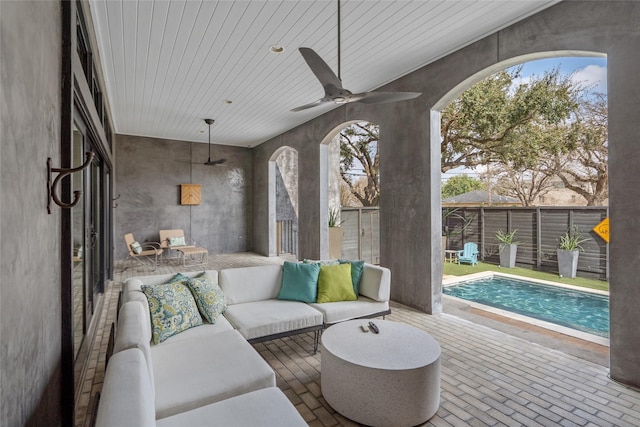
{"type": "Point", "coordinates": [173, 310]}
{"type": "Point", "coordinates": [299, 282]}
{"type": "Point", "coordinates": [209, 297]}
{"type": "Point", "coordinates": [356, 273]}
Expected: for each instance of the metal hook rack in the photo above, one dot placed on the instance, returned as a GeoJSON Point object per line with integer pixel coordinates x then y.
{"type": "Point", "coordinates": [62, 173]}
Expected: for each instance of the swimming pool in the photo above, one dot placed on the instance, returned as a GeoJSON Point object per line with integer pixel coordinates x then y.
{"type": "Point", "coordinates": [583, 311]}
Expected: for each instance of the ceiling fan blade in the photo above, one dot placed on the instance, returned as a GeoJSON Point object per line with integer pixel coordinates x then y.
{"type": "Point", "coordinates": [330, 82]}
{"type": "Point", "coordinates": [214, 162]}
{"type": "Point", "coordinates": [383, 97]}
{"type": "Point", "coordinates": [311, 105]}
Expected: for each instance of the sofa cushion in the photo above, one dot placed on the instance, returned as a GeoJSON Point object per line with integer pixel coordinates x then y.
{"type": "Point", "coordinates": [248, 284]}
{"type": "Point", "coordinates": [299, 282]}
{"type": "Point", "coordinates": [334, 284]}
{"type": "Point", "coordinates": [264, 318]}
{"type": "Point", "coordinates": [204, 331]}
{"type": "Point", "coordinates": [268, 407]}
{"type": "Point", "coordinates": [135, 283]}
{"type": "Point", "coordinates": [345, 310]}
{"type": "Point", "coordinates": [196, 372]}
{"type": "Point", "coordinates": [356, 273]}
{"type": "Point", "coordinates": [126, 398]}
{"type": "Point", "coordinates": [172, 309]}
{"type": "Point", "coordinates": [134, 332]}
{"type": "Point", "coordinates": [208, 296]}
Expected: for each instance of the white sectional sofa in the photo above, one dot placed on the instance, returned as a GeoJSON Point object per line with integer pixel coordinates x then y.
{"type": "Point", "coordinates": [211, 370]}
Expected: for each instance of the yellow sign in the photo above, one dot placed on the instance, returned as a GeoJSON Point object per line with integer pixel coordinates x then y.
{"type": "Point", "coordinates": [602, 229]}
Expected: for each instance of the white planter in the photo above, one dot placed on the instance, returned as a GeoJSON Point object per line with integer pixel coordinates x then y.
{"type": "Point", "coordinates": [508, 255]}
{"type": "Point", "coordinates": [567, 263]}
{"type": "Point", "coordinates": [335, 242]}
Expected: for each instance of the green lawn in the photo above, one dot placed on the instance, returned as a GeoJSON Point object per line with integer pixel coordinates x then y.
{"type": "Point", "coordinates": [461, 270]}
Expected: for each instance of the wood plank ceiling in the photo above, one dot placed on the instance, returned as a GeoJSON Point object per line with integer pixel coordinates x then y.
{"type": "Point", "coordinates": [170, 64]}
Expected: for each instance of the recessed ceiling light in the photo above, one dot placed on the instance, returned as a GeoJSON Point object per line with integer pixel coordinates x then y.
{"type": "Point", "coordinates": [276, 48]}
{"type": "Point", "coordinates": [228, 101]}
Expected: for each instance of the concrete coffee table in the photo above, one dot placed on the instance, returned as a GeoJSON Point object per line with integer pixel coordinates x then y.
{"type": "Point", "coordinates": [387, 379]}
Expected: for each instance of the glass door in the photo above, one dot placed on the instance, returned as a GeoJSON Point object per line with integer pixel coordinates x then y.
{"type": "Point", "coordinates": [78, 238]}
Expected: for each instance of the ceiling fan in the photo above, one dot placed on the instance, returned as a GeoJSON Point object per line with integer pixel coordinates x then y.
{"type": "Point", "coordinates": [210, 162]}
{"type": "Point", "coordinates": [332, 84]}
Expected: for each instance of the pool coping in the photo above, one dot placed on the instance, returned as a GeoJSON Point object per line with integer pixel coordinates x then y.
{"type": "Point", "coordinates": [452, 280]}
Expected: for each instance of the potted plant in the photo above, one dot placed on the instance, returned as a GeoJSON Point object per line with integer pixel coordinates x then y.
{"type": "Point", "coordinates": [336, 234]}
{"type": "Point", "coordinates": [568, 250]}
{"type": "Point", "coordinates": [508, 248]}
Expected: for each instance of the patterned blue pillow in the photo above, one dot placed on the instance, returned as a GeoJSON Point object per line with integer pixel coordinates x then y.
{"type": "Point", "coordinates": [209, 297]}
{"type": "Point", "coordinates": [136, 248]}
{"type": "Point", "coordinates": [172, 309]}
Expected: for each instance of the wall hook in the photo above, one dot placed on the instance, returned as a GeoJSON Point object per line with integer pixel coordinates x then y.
{"type": "Point", "coordinates": [113, 200]}
{"type": "Point", "coordinates": [62, 173]}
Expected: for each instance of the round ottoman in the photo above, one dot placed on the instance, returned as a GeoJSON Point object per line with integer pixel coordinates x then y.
{"type": "Point", "coordinates": [387, 379]}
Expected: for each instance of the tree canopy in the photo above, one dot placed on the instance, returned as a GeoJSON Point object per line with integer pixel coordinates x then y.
{"type": "Point", "coordinates": [505, 118]}
{"type": "Point", "coordinates": [460, 184]}
{"type": "Point", "coordinates": [359, 162]}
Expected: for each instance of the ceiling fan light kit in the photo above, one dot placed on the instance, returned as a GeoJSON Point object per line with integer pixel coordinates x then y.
{"type": "Point", "coordinates": [332, 83]}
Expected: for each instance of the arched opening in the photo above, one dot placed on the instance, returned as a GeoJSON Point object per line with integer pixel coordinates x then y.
{"type": "Point", "coordinates": [349, 182]}
{"type": "Point", "coordinates": [519, 189]}
{"type": "Point", "coordinates": [283, 202]}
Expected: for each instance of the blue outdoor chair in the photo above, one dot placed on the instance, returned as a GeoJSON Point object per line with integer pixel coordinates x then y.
{"type": "Point", "coordinates": [469, 254]}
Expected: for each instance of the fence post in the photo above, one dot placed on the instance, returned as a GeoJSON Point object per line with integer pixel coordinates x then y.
{"type": "Point", "coordinates": [482, 233]}
{"type": "Point", "coordinates": [538, 239]}
{"type": "Point", "coordinates": [359, 233]}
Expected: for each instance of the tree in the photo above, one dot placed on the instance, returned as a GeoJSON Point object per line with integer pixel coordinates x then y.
{"type": "Point", "coordinates": [584, 169]}
{"type": "Point", "coordinates": [500, 120]}
{"type": "Point", "coordinates": [359, 149]}
{"type": "Point", "coordinates": [460, 184]}
{"type": "Point", "coordinates": [525, 184]}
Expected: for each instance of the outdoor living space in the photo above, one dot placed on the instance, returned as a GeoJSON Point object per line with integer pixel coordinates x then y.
{"type": "Point", "coordinates": [493, 371]}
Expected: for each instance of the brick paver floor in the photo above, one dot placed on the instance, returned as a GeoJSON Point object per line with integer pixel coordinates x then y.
{"type": "Point", "coordinates": [489, 377]}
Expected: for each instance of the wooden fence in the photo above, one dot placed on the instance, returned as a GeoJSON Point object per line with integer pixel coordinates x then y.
{"type": "Point", "coordinates": [538, 231]}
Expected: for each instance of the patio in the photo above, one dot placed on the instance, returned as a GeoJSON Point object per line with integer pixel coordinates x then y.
{"type": "Point", "coordinates": [494, 371]}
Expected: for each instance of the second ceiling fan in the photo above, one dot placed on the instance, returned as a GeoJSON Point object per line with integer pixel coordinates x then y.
{"type": "Point", "coordinates": [332, 84]}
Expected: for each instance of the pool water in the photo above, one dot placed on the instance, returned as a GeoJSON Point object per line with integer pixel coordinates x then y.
{"type": "Point", "coordinates": [583, 311]}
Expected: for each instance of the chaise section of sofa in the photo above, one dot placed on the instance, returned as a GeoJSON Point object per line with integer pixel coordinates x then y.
{"type": "Point", "coordinates": [194, 371]}
{"type": "Point", "coordinates": [127, 401]}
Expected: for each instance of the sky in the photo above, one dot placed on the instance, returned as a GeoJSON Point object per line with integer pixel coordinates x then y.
{"type": "Point", "coordinates": [590, 71]}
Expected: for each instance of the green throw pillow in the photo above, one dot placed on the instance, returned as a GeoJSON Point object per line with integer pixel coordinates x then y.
{"type": "Point", "coordinates": [356, 273]}
{"type": "Point", "coordinates": [299, 282]}
{"type": "Point", "coordinates": [208, 296]}
{"type": "Point", "coordinates": [172, 309]}
{"type": "Point", "coordinates": [334, 283]}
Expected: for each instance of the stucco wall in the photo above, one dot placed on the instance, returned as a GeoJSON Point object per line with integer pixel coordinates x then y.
{"type": "Point", "coordinates": [410, 158]}
{"type": "Point", "coordinates": [30, 296]}
{"type": "Point", "coordinates": [148, 175]}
